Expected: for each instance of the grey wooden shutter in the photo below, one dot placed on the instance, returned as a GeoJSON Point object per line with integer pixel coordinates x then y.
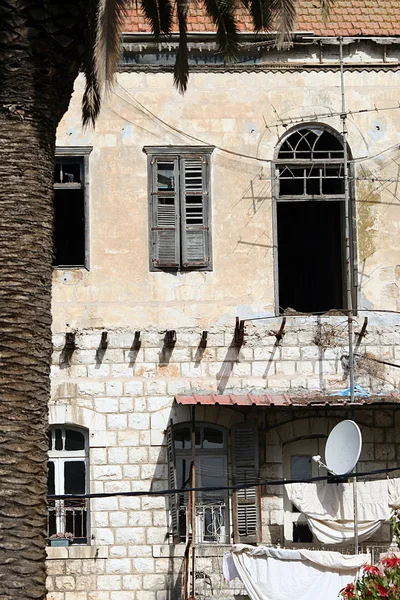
{"type": "Point", "coordinates": [173, 498]}
{"type": "Point", "coordinates": [245, 470]}
{"type": "Point", "coordinates": [164, 211]}
{"type": "Point", "coordinates": [195, 210]}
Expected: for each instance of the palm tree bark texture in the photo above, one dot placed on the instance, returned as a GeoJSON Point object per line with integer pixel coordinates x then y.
{"type": "Point", "coordinates": [41, 45]}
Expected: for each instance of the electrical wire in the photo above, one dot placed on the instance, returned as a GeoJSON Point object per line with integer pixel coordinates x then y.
{"type": "Point", "coordinates": [239, 486]}
{"type": "Point", "coordinates": [148, 112]}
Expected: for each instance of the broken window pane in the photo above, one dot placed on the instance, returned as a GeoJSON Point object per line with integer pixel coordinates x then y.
{"type": "Point", "coordinates": [165, 176]}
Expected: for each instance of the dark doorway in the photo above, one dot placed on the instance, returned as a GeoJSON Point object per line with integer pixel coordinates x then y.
{"type": "Point", "coordinates": [311, 255]}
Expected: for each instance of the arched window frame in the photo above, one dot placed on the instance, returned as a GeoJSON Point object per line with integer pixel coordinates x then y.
{"type": "Point", "coordinates": [68, 515]}
{"type": "Point", "coordinates": [277, 197]}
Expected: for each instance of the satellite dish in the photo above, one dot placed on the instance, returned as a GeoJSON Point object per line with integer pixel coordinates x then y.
{"type": "Point", "coordinates": [343, 448]}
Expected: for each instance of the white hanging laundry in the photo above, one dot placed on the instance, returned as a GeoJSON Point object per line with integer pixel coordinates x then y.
{"type": "Point", "coordinates": [394, 492]}
{"type": "Point", "coordinates": [329, 508]}
{"type": "Point", "coordinates": [279, 574]}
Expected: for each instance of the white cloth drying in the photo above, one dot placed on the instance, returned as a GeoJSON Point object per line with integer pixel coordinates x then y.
{"type": "Point", "coordinates": [279, 574]}
{"type": "Point", "coordinates": [329, 508]}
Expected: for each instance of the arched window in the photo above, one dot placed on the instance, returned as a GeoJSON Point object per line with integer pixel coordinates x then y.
{"type": "Point", "coordinates": [310, 225]}
{"type": "Point", "coordinates": [68, 475]}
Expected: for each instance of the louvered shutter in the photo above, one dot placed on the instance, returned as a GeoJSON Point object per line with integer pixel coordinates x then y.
{"type": "Point", "coordinates": [195, 210]}
{"type": "Point", "coordinates": [245, 470]}
{"type": "Point", "coordinates": [164, 212]}
{"type": "Point", "coordinates": [173, 498]}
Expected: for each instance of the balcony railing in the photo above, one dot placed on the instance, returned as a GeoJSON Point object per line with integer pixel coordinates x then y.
{"type": "Point", "coordinates": [68, 516]}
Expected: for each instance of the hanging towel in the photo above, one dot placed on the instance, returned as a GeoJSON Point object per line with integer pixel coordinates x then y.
{"type": "Point", "coordinates": [279, 574]}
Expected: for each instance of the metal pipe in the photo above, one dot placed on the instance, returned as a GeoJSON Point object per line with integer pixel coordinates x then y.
{"type": "Point", "coordinates": [347, 214]}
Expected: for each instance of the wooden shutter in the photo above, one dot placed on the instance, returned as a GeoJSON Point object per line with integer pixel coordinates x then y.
{"type": "Point", "coordinates": [164, 211]}
{"type": "Point", "coordinates": [173, 498]}
{"type": "Point", "coordinates": [195, 210]}
{"type": "Point", "coordinates": [246, 511]}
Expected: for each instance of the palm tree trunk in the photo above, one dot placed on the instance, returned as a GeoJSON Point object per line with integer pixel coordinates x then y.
{"type": "Point", "coordinates": [36, 82]}
{"type": "Point", "coordinates": [26, 172]}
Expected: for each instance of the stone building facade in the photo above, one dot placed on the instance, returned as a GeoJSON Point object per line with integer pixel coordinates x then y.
{"type": "Point", "coordinates": [141, 348]}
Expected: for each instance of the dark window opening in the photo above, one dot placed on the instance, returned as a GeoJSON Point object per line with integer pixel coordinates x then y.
{"type": "Point", "coordinates": [310, 222]}
{"type": "Point", "coordinates": [69, 213]}
{"type": "Point", "coordinates": [302, 533]}
{"type": "Point", "coordinates": [310, 256]}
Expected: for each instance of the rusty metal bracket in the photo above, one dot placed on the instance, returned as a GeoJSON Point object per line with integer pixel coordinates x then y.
{"type": "Point", "coordinates": [170, 338]}
{"type": "Point", "coordinates": [239, 332]}
{"type": "Point", "coordinates": [203, 341]}
{"type": "Point", "coordinates": [363, 332]}
{"type": "Point", "coordinates": [104, 340]}
{"type": "Point", "coordinates": [70, 341]}
{"type": "Point", "coordinates": [279, 334]}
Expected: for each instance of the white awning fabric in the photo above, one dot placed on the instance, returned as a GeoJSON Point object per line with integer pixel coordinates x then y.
{"type": "Point", "coordinates": [279, 574]}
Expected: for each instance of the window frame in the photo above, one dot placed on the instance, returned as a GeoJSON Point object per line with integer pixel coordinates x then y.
{"type": "Point", "coordinates": [69, 154]}
{"type": "Point", "coordinates": [277, 198]}
{"type": "Point", "coordinates": [238, 502]}
{"type": "Point", "coordinates": [156, 154]}
{"type": "Point", "coordinates": [59, 458]}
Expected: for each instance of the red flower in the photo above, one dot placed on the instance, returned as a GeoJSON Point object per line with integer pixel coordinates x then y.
{"type": "Point", "coordinates": [348, 591]}
{"type": "Point", "coordinates": [391, 562]}
{"type": "Point", "coordinates": [383, 592]}
{"type": "Point", "coordinates": [373, 570]}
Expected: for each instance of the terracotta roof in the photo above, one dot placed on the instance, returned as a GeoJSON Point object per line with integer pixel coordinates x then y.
{"type": "Point", "coordinates": [281, 400]}
{"type": "Point", "coordinates": [347, 18]}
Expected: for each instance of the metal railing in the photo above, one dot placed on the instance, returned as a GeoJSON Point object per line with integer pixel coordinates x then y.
{"type": "Point", "coordinates": [68, 516]}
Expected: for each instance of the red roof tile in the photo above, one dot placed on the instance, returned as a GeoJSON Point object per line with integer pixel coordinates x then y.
{"type": "Point", "coordinates": [347, 17]}
{"type": "Point", "coordinates": [282, 400]}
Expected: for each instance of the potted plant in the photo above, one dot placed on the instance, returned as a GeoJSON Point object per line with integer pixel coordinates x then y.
{"type": "Point", "coordinates": [61, 539]}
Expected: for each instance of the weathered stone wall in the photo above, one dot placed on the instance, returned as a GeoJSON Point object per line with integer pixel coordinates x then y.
{"type": "Point", "coordinates": [125, 398]}
{"type": "Point", "coordinates": [233, 112]}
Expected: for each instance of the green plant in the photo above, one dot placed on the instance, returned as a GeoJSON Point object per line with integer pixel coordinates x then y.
{"type": "Point", "coordinates": [376, 582]}
{"type": "Point", "coordinates": [395, 525]}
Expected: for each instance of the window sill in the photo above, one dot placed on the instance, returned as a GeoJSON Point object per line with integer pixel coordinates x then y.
{"type": "Point", "coordinates": [76, 551]}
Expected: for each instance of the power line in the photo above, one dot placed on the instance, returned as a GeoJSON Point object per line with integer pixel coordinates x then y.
{"type": "Point", "coordinates": [240, 486]}
{"type": "Point", "coordinates": [148, 112]}
{"type": "Point", "coordinates": [284, 122]}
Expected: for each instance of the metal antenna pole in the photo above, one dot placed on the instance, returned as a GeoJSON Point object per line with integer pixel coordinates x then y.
{"type": "Point", "coordinates": [347, 213]}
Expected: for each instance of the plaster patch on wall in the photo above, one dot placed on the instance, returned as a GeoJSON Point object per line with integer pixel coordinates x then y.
{"type": "Point", "coordinates": [367, 197]}
{"type": "Point", "coordinates": [377, 131]}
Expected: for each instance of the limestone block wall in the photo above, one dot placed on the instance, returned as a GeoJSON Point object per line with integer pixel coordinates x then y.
{"type": "Point", "coordinates": [124, 397]}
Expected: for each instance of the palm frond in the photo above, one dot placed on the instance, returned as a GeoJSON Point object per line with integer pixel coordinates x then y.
{"type": "Point", "coordinates": [326, 9]}
{"type": "Point", "coordinates": [91, 100]}
{"type": "Point", "coordinates": [107, 46]}
{"type": "Point", "coordinates": [261, 13]}
{"type": "Point", "coordinates": [222, 15]}
{"type": "Point", "coordinates": [285, 11]}
{"type": "Point", "coordinates": [159, 15]}
{"type": "Point", "coordinates": [181, 68]}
